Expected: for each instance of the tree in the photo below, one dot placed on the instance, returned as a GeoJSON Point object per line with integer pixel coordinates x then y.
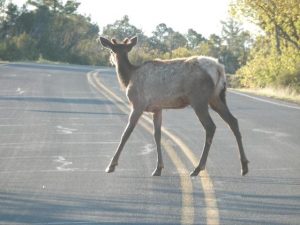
{"type": "Point", "coordinates": [275, 57]}
{"type": "Point", "coordinates": [278, 18]}
{"type": "Point", "coordinates": [56, 6]}
{"type": "Point", "coordinates": [162, 31]}
{"type": "Point", "coordinates": [230, 32]}
{"type": "Point", "coordinates": [51, 29]}
{"type": "Point", "coordinates": [194, 39]}
{"type": "Point", "coordinates": [158, 40]}
{"type": "Point", "coordinates": [176, 40]}
{"type": "Point", "coordinates": [52, 5]}
{"type": "Point", "coordinates": [210, 47]}
{"type": "Point", "coordinates": [2, 4]}
{"type": "Point", "coordinates": [9, 20]}
{"type": "Point", "coordinates": [121, 29]}
{"type": "Point", "coordinates": [166, 39]}
{"type": "Point", "coordinates": [237, 42]}
{"type": "Point", "coordinates": [71, 6]}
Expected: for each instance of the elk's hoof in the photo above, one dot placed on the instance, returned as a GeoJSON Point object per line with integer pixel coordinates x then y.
{"type": "Point", "coordinates": [110, 169]}
{"type": "Point", "coordinates": [195, 173]}
{"type": "Point", "coordinates": [157, 172]}
{"type": "Point", "coordinates": [245, 169]}
{"type": "Point", "coordinates": [197, 170]}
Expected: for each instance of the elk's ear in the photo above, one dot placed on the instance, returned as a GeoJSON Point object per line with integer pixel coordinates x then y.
{"type": "Point", "coordinates": [126, 40]}
{"type": "Point", "coordinates": [106, 43]}
{"type": "Point", "coordinates": [133, 41]}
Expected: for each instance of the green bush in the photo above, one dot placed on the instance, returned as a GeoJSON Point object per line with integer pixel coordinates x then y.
{"type": "Point", "coordinates": [140, 55]}
{"type": "Point", "coordinates": [21, 47]}
{"type": "Point", "coordinates": [272, 70]}
{"type": "Point", "coordinates": [233, 81]}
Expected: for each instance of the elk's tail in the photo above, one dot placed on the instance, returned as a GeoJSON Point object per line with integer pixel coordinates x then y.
{"type": "Point", "coordinates": [217, 73]}
{"type": "Point", "coordinates": [220, 88]}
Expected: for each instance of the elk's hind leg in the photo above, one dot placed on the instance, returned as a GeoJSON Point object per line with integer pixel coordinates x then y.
{"type": "Point", "coordinates": [219, 105]}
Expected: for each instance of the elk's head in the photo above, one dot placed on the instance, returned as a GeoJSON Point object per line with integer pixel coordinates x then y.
{"type": "Point", "coordinates": [118, 50]}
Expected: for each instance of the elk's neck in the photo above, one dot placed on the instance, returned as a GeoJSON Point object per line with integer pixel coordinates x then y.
{"type": "Point", "coordinates": [124, 69]}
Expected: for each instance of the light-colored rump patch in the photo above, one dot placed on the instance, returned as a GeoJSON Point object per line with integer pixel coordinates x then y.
{"type": "Point", "coordinates": [215, 70]}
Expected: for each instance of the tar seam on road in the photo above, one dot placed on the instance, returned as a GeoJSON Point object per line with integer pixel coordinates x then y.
{"type": "Point", "coordinates": [187, 211]}
{"type": "Point", "coordinates": [211, 209]}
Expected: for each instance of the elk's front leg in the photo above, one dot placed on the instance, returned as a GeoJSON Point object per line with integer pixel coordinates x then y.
{"type": "Point", "coordinates": [157, 119]}
{"type": "Point", "coordinates": [209, 126]}
{"type": "Point", "coordinates": [133, 118]}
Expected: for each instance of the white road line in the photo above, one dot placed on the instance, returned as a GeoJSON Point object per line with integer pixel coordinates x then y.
{"type": "Point", "coordinates": [65, 130]}
{"type": "Point", "coordinates": [20, 91]}
{"type": "Point", "coordinates": [265, 100]}
{"type": "Point", "coordinates": [211, 209]}
{"type": "Point", "coordinates": [187, 211]}
{"type": "Point", "coordinates": [272, 133]}
{"type": "Point", "coordinates": [64, 164]}
{"type": "Point", "coordinates": [147, 149]}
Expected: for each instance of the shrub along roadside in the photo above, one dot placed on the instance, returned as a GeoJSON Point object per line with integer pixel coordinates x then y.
{"type": "Point", "coordinates": [273, 70]}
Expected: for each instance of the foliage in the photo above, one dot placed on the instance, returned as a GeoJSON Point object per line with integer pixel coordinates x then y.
{"type": "Point", "coordinates": [181, 52]}
{"type": "Point", "coordinates": [53, 30]}
{"type": "Point", "coordinates": [275, 56]}
{"type": "Point", "coordinates": [166, 39]}
{"type": "Point", "coordinates": [211, 47]}
{"type": "Point", "coordinates": [21, 47]}
{"type": "Point", "coordinates": [272, 70]}
{"type": "Point", "coordinates": [237, 42]}
{"type": "Point", "coordinates": [278, 18]}
{"type": "Point", "coordinates": [121, 29]}
{"type": "Point", "coordinates": [194, 39]}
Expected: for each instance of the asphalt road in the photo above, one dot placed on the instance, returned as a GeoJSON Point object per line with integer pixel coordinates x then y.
{"type": "Point", "coordinates": [60, 125]}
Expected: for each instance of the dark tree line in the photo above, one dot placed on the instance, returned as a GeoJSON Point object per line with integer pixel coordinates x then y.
{"type": "Point", "coordinates": [51, 30]}
{"type": "Point", "coordinates": [55, 31]}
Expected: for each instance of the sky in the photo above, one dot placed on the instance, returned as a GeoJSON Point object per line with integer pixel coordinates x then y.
{"type": "Point", "coordinates": [203, 16]}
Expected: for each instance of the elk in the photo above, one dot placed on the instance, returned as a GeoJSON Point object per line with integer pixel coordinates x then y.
{"type": "Point", "coordinates": [155, 85]}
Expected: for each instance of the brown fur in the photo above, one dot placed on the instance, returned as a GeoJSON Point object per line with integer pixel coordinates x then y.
{"type": "Point", "coordinates": [160, 84]}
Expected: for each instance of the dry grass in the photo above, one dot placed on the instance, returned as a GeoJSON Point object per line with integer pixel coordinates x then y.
{"type": "Point", "coordinates": [285, 94]}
